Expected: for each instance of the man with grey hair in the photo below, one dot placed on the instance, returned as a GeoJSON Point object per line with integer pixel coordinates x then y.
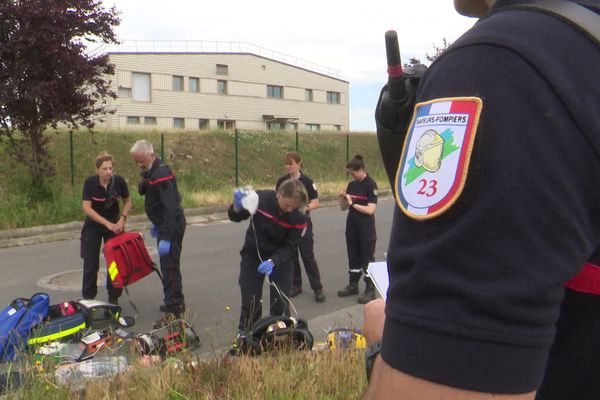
{"type": "Point", "coordinates": [162, 203]}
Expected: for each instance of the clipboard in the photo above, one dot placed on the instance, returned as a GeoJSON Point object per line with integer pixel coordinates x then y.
{"type": "Point", "coordinates": [378, 272]}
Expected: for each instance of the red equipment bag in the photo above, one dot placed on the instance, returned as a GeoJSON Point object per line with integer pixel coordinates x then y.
{"type": "Point", "coordinates": [127, 259]}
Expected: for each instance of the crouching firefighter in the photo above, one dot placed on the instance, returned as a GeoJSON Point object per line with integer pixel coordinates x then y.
{"type": "Point", "coordinates": [277, 221]}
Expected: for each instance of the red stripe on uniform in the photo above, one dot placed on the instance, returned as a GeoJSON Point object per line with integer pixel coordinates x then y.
{"type": "Point", "coordinates": [587, 280]}
{"type": "Point", "coordinates": [283, 224]}
{"type": "Point", "coordinates": [163, 179]}
{"type": "Point", "coordinates": [359, 197]}
{"type": "Point", "coordinates": [97, 199]}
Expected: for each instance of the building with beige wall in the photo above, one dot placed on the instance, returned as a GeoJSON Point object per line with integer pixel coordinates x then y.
{"type": "Point", "coordinates": [242, 89]}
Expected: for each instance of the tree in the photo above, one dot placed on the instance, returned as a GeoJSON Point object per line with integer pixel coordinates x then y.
{"type": "Point", "coordinates": [412, 62]}
{"type": "Point", "coordinates": [438, 50]}
{"type": "Point", "coordinates": [47, 78]}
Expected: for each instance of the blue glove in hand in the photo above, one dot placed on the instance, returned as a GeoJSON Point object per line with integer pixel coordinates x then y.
{"type": "Point", "coordinates": [238, 195]}
{"type": "Point", "coordinates": [154, 231]}
{"type": "Point", "coordinates": [266, 267]}
{"type": "Point", "coordinates": [164, 247]}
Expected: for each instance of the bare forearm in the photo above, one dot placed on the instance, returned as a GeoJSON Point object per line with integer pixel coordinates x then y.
{"type": "Point", "coordinates": [389, 383]}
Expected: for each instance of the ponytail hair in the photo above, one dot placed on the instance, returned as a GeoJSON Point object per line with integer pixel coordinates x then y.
{"type": "Point", "coordinates": [356, 163]}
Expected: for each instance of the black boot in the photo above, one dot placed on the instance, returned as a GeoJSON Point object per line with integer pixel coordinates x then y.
{"type": "Point", "coordinates": [369, 293]}
{"type": "Point", "coordinates": [319, 296]}
{"type": "Point", "coordinates": [349, 290]}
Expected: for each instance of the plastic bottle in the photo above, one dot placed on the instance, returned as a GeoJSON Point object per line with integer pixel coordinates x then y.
{"type": "Point", "coordinates": [76, 374]}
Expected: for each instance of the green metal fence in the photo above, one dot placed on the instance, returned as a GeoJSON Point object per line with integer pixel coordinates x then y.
{"type": "Point", "coordinates": [217, 159]}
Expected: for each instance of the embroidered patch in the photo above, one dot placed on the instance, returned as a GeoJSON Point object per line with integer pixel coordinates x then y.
{"type": "Point", "coordinates": [436, 154]}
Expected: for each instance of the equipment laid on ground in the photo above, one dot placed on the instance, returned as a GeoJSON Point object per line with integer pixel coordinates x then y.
{"type": "Point", "coordinates": [275, 333]}
{"type": "Point", "coordinates": [75, 374]}
{"type": "Point", "coordinates": [346, 338]}
{"type": "Point", "coordinates": [57, 327]}
{"type": "Point", "coordinates": [16, 322]}
{"type": "Point", "coordinates": [62, 321]}
{"type": "Point", "coordinates": [101, 314]}
{"type": "Point", "coordinates": [127, 259]}
{"type": "Point", "coordinates": [175, 335]}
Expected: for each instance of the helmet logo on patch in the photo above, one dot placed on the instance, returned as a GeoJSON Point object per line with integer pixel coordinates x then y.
{"type": "Point", "coordinates": [428, 153]}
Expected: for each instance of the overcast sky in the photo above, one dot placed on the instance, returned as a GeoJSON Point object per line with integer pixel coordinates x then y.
{"type": "Point", "coordinates": [345, 36]}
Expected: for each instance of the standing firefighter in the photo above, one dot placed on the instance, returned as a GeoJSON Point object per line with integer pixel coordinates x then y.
{"type": "Point", "coordinates": [293, 164]}
{"type": "Point", "coordinates": [360, 199]}
{"type": "Point", "coordinates": [276, 222]}
{"type": "Point", "coordinates": [163, 207]}
{"type": "Point", "coordinates": [100, 201]}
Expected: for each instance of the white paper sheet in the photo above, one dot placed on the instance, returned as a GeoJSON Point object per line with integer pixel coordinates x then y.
{"type": "Point", "coordinates": [379, 275]}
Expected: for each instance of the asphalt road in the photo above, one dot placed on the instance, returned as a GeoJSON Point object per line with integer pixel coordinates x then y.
{"type": "Point", "coordinates": [210, 267]}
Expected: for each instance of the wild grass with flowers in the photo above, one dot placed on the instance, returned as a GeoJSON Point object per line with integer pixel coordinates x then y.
{"type": "Point", "coordinates": [204, 162]}
{"type": "Point", "coordinates": [286, 374]}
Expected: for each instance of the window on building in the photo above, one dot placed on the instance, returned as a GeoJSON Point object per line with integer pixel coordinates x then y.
{"type": "Point", "coordinates": [275, 92]}
{"type": "Point", "coordinates": [203, 124]}
{"type": "Point", "coordinates": [194, 84]}
{"type": "Point", "coordinates": [222, 87]}
{"type": "Point", "coordinates": [149, 120]}
{"type": "Point", "coordinates": [177, 82]}
{"type": "Point", "coordinates": [333, 97]}
{"type": "Point", "coordinates": [140, 86]}
{"type": "Point", "coordinates": [292, 126]}
{"type": "Point", "coordinates": [308, 95]}
{"type": "Point", "coordinates": [225, 124]}
{"type": "Point", "coordinates": [133, 120]}
{"type": "Point", "coordinates": [338, 128]}
{"type": "Point", "coordinates": [313, 127]}
{"type": "Point", "coordinates": [123, 93]}
{"type": "Point", "coordinates": [178, 123]}
{"type": "Point", "coordinates": [222, 69]}
{"type": "Point", "coordinates": [275, 125]}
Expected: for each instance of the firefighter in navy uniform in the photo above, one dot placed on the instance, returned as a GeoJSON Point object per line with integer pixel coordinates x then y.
{"type": "Point", "coordinates": [496, 181]}
{"type": "Point", "coordinates": [276, 222]}
{"type": "Point", "coordinates": [293, 164]}
{"type": "Point", "coordinates": [360, 199]}
{"type": "Point", "coordinates": [100, 201]}
{"type": "Point", "coordinates": [162, 203]}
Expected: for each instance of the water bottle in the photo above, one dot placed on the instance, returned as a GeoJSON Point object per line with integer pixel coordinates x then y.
{"type": "Point", "coordinates": [76, 374]}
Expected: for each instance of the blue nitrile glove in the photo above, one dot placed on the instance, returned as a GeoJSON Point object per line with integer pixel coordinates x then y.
{"type": "Point", "coordinates": [154, 231]}
{"type": "Point", "coordinates": [164, 247]}
{"type": "Point", "coordinates": [238, 195]}
{"type": "Point", "coordinates": [266, 267]}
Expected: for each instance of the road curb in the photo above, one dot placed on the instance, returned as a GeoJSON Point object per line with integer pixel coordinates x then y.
{"type": "Point", "coordinates": [72, 230]}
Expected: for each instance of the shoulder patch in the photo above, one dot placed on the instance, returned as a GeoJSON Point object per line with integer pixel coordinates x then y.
{"type": "Point", "coordinates": [435, 158]}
